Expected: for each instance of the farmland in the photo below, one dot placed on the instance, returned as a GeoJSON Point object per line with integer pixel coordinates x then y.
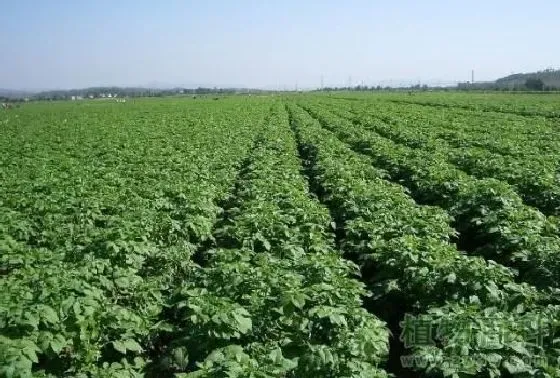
{"type": "Point", "coordinates": [341, 235]}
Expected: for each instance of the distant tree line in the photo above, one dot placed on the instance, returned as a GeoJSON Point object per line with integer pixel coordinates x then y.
{"type": "Point", "coordinates": [112, 92]}
{"type": "Point", "coordinates": [534, 84]}
{"type": "Point", "coordinates": [530, 84]}
{"type": "Point", "coordinates": [520, 83]}
{"type": "Point", "coordinates": [362, 88]}
{"type": "Point", "coordinates": [546, 80]}
{"type": "Point", "coordinates": [4, 99]}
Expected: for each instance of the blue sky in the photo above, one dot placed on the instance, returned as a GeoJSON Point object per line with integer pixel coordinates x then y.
{"type": "Point", "coordinates": [72, 44]}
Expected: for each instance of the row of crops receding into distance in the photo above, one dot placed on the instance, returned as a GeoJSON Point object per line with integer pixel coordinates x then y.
{"type": "Point", "coordinates": [309, 235]}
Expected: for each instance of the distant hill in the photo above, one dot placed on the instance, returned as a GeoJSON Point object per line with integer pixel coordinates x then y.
{"type": "Point", "coordinates": [550, 78]}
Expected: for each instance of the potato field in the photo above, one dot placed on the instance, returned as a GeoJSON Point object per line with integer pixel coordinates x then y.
{"type": "Point", "coordinates": [303, 235]}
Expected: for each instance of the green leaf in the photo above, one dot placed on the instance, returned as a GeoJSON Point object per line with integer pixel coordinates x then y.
{"type": "Point", "coordinates": [122, 282]}
{"type": "Point", "coordinates": [30, 351]}
{"type": "Point", "coordinates": [49, 314]}
{"type": "Point", "coordinates": [58, 343]}
{"type": "Point", "coordinates": [266, 244]}
{"type": "Point", "coordinates": [298, 300]}
{"type": "Point", "coordinates": [180, 357]}
{"type": "Point", "coordinates": [244, 324]}
{"type": "Point", "coordinates": [119, 346]}
{"type": "Point", "coordinates": [132, 345]}
{"type": "Point", "coordinates": [519, 348]}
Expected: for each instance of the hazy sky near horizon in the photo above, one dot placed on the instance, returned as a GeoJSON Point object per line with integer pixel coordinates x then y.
{"type": "Point", "coordinates": [74, 44]}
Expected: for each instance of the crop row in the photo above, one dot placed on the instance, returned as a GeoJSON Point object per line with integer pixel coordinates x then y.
{"type": "Point", "coordinates": [98, 224]}
{"type": "Point", "coordinates": [490, 217]}
{"type": "Point", "coordinates": [517, 136]}
{"type": "Point", "coordinates": [532, 175]}
{"type": "Point", "coordinates": [519, 108]}
{"type": "Point", "coordinates": [274, 298]}
{"type": "Point", "coordinates": [411, 265]}
{"type": "Point", "coordinates": [512, 136]}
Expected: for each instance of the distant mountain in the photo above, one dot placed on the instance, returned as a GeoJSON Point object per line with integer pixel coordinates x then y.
{"type": "Point", "coordinates": [550, 78]}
